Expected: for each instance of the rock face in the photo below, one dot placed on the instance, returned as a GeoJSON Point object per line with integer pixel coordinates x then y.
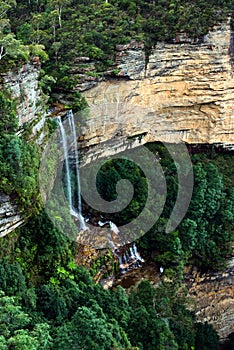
{"type": "Point", "coordinates": [10, 217]}
{"type": "Point", "coordinates": [210, 295]}
{"type": "Point", "coordinates": [213, 295]}
{"type": "Point", "coordinates": [184, 93]}
{"type": "Point", "coordinates": [23, 85]}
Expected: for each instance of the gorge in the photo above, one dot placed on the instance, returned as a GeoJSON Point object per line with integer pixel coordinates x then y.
{"type": "Point", "coordinates": [182, 92]}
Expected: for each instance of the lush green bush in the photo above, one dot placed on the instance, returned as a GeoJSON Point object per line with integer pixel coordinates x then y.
{"type": "Point", "coordinates": [19, 160]}
{"type": "Point", "coordinates": [204, 235]}
{"type": "Point", "coordinates": [53, 303]}
{"type": "Point", "coordinates": [93, 29]}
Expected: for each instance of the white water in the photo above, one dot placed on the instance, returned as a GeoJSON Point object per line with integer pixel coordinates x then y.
{"type": "Point", "coordinates": [100, 223]}
{"type": "Point", "coordinates": [122, 264]}
{"type": "Point", "coordinates": [64, 137]}
{"type": "Point", "coordinates": [137, 255]}
{"type": "Point", "coordinates": [131, 259]}
{"type": "Point", "coordinates": [65, 153]}
{"type": "Point", "coordinates": [113, 227]}
{"type": "Point", "coordinates": [74, 136]}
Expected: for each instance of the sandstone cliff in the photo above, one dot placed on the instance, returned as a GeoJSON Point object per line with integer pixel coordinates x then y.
{"type": "Point", "coordinates": [23, 85]}
{"type": "Point", "coordinates": [210, 295]}
{"type": "Point", "coordinates": [213, 295]}
{"type": "Point", "coordinates": [185, 92]}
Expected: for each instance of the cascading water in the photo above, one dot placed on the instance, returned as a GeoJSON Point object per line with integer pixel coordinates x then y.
{"type": "Point", "coordinates": [131, 259]}
{"type": "Point", "coordinates": [65, 139]}
{"type": "Point", "coordinates": [136, 254]}
{"type": "Point", "coordinates": [74, 136]}
{"type": "Point", "coordinates": [74, 139]}
{"type": "Point", "coordinates": [65, 152]}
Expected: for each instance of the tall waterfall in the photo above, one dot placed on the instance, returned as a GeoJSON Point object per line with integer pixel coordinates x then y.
{"type": "Point", "coordinates": [65, 153]}
{"type": "Point", "coordinates": [66, 137]}
{"type": "Point", "coordinates": [74, 137]}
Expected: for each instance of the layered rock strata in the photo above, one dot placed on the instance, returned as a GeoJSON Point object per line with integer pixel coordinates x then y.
{"type": "Point", "coordinates": [213, 296]}
{"type": "Point", "coordinates": [23, 85]}
{"type": "Point", "coordinates": [185, 93]}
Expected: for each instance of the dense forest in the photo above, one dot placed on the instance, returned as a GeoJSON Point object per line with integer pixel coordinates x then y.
{"type": "Point", "coordinates": [60, 32]}
{"type": "Point", "coordinates": [48, 301]}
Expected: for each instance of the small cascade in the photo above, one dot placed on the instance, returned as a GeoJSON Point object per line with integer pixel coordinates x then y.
{"type": "Point", "coordinates": [122, 264]}
{"type": "Point", "coordinates": [137, 255]}
{"type": "Point", "coordinates": [114, 228]}
{"type": "Point", "coordinates": [101, 224]}
{"type": "Point", "coordinates": [130, 259]}
{"type": "Point", "coordinates": [77, 213]}
{"type": "Point", "coordinates": [113, 238]}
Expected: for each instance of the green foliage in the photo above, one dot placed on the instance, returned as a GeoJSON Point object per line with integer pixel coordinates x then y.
{"type": "Point", "coordinates": [206, 337]}
{"type": "Point", "coordinates": [19, 160]}
{"type": "Point", "coordinates": [8, 119]}
{"type": "Point", "coordinates": [61, 307]}
{"type": "Point", "coordinates": [49, 301]}
{"type": "Point", "coordinates": [107, 178]}
{"type": "Point", "coordinates": [44, 249]}
{"type": "Point", "coordinates": [205, 234]}
{"type": "Point", "coordinates": [12, 280]}
{"type": "Point", "coordinates": [76, 102]}
{"type": "Point", "coordinates": [17, 332]}
{"type": "Point", "coordinates": [70, 29]}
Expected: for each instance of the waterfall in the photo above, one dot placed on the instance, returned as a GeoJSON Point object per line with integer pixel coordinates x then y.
{"type": "Point", "coordinates": [114, 228]}
{"type": "Point", "coordinates": [122, 265]}
{"type": "Point", "coordinates": [74, 136]}
{"type": "Point", "coordinates": [74, 140]}
{"type": "Point", "coordinates": [77, 213]}
{"type": "Point", "coordinates": [131, 259]}
{"type": "Point", "coordinates": [137, 255]}
{"type": "Point", "coordinates": [65, 152]}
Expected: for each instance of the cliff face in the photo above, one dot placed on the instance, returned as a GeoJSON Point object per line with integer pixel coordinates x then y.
{"type": "Point", "coordinates": [213, 295]}
{"type": "Point", "coordinates": [185, 92]}
{"type": "Point", "coordinates": [210, 295]}
{"type": "Point", "coordinates": [23, 85]}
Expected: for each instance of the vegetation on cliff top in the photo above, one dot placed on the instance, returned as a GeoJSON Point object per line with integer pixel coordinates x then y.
{"type": "Point", "coordinates": [91, 29]}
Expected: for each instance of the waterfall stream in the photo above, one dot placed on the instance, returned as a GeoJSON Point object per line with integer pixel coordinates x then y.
{"type": "Point", "coordinates": [130, 259]}
{"type": "Point", "coordinates": [66, 137]}
{"type": "Point", "coordinates": [65, 153]}
{"type": "Point", "coordinates": [74, 137]}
